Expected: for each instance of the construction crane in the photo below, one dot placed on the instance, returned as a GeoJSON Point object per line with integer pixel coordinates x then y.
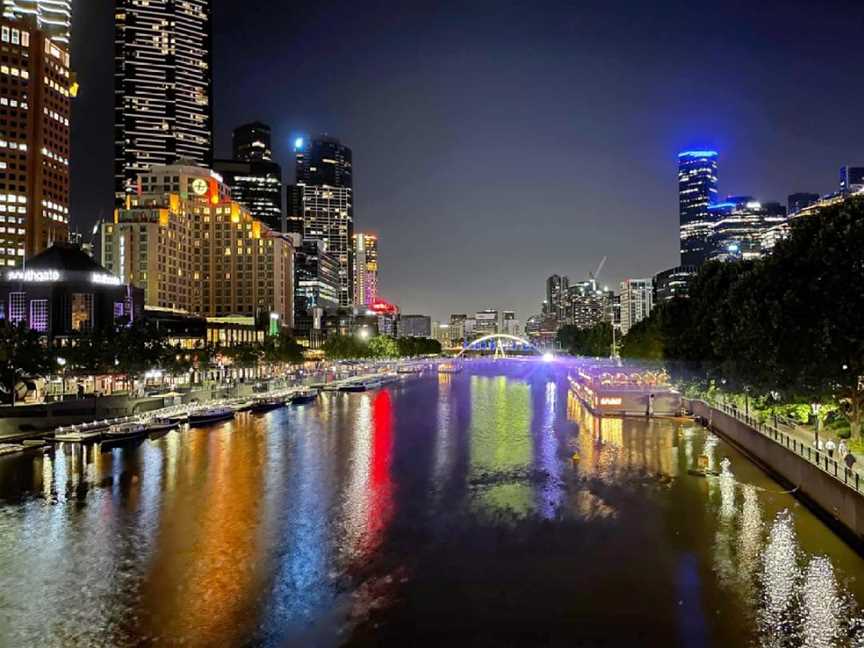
{"type": "Point", "coordinates": [593, 275]}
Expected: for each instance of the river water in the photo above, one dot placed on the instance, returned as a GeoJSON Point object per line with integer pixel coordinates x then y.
{"type": "Point", "coordinates": [483, 508]}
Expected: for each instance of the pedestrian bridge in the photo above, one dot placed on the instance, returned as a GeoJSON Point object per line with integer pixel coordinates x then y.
{"type": "Point", "coordinates": [499, 343]}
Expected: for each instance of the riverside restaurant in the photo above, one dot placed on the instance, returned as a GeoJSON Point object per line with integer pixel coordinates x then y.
{"type": "Point", "coordinates": [610, 389]}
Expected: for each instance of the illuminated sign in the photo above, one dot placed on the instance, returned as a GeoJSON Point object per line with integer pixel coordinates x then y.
{"type": "Point", "coordinates": [610, 401]}
{"type": "Point", "coordinates": [104, 279]}
{"type": "Point", "coordinates": [33, 276]}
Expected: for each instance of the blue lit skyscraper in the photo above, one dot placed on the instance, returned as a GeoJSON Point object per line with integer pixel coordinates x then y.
{"type": "Point", "coordinates": [697, 189]}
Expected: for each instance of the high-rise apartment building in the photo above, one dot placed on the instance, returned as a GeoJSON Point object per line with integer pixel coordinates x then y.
{"type": "Point", "coordinates": [34, 142]}
{"type": "Point", "coordinates": [254, 178]}
{"type": "Point", "coordinates": [509, 324]}
{"type": "Point", "coordinates": [316, 289]}
{"type": "Point", "coordinates": [52, 17]}
{"type": "Point", "coordinates": [637, 301]}
{"type": "Point", "coordinates": [365, 248]}
{"type": "Point", "coordinates": [556, 296]}
{"type": "Point", "coordinates": [321, 203]}
{"type": "Point", "coordinates": [697, 190]}
{"type": "Point", "coordinates": [162, 87]}
{"type": "Point", "coordinates": [586, 305]}
{"type": "Point", "coordinates": [193, 249]}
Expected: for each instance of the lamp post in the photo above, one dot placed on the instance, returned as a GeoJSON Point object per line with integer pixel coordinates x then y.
{"type": "Point", "coordinates": [61, 362]}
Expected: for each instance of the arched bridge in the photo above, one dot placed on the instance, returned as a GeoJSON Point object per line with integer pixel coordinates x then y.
{"type": "Point", "coordinates": [498, 338]}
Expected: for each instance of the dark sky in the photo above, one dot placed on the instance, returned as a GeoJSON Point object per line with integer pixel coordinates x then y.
{"type": "Point", "coordinates": [497, 142]}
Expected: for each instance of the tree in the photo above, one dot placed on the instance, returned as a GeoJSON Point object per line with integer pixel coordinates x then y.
{"type": "Point", "coordinates": [344, 347]}
{"type": "Point", "coordinates": [595, 341]}
{"type": "Point", "coordinates": [22, 355]}
{"type": "Point", "coordinates": [382, 346]}
{"type": "Point", "coordinates": [282, 348]}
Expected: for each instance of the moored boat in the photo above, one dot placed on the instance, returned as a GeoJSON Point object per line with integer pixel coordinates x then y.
{"type": "Point", "coordinates": [126, 431]}
{"type": "Point", "coordinates": [267, 404]}
{"type": "Point", "coordinates": [160, 424]}
{"type": "Point", "coordinates": [210, 415]}
{"type": "Point", "coordinates": [74, 435]}
{"type": "Point", "coordinates": [304, 397]}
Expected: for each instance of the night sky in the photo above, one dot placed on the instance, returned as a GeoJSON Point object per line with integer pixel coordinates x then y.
{"type": "Point", "coordinates": [498, 142]}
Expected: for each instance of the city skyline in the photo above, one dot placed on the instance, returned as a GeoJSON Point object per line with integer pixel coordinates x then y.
{"type": "Point", "coordinates": [412, 140]}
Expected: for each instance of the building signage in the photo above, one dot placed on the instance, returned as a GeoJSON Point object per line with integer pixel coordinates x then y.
{"type": "Point", "coordinates": [610, 401]}
{"type": "Point", "coordinates": [33, 276]}
{"type": "Point", "coordinates": [104, 279]}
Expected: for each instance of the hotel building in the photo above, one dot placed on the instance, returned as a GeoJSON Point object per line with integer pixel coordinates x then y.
{"type": "Point", "coordinates": [194, 250]}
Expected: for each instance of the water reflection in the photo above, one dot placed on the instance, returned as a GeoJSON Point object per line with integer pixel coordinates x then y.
{"type": "Point", "coordinates": [313, 525]}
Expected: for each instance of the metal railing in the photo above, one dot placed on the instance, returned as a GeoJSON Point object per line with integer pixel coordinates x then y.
{"type": "Point", "coordinates": [835, 469]}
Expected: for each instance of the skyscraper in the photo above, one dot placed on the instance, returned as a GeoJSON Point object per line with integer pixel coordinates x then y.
{"type": "Point", "coordinates": [255, 180]}
{"type": "Point", "coordinates": [163, 94]}
{"type": "Point", "coordinates": [320, 204]}
{"type": "Point", "coordinates": [556, 296]}
{"type": "Point", "coordinates": [365, 269]}
{"type": "Point", "coordinates": [34, 143]}
{"type": "Point", "coordinates": [53, 17]}
{"type": "Point", "coordinates": [697, 189]}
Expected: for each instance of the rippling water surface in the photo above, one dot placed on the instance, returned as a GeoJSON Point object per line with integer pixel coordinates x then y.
{"type": "Point", "coordinates": [483, 508]}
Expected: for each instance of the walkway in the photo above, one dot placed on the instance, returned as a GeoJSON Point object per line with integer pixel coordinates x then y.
{"type": "Point", "coordinates": [801, 442]}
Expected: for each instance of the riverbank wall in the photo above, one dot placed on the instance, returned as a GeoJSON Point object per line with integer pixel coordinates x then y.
{"type": "Point", "coordinates": [825, 485]}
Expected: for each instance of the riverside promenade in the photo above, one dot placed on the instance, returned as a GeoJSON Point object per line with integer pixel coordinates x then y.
{"type": "Point", "coordinates": [823, 482]}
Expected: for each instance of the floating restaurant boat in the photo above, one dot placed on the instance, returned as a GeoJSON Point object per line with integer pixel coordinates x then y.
{"type": "Point", "coordinates": [245, 406]}
{"type": "Point", "coordinates": [305, 396]}
{"type": "Point", "coordinates": [210, 415]}
{"type": "Point", "coordinates": [353, 387]}
{"type": "Point", "coordinates": [614, 390]}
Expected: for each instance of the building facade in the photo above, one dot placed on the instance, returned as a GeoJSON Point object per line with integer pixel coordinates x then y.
{"type": "Point", "coordinates": [697, 190]}
{"type": "Point", "coordinates": [739, 225]}
{"type": "Point", "coordinates": [672, 283]}
{"type": "Point", "coordinates": [34, 143]}
{"type": "Point", "coordinates": [192, 249]}
{"type": "Point", "coordinates": [365, 257]}
{"type": "Point", "coordinates": [556, 296]}
{"type": "Point", "coordinates": [415, 326]}
{"type": "Point", "coordinates": [851, 179]}
{"type": "Point", "coordinates": [321, 203]}
{"type": "Point", "coordinates": [637, 301]}
{"type": "Point", "coordinates": [163, 78]}
{"type": "Point", "coordinates": [316, 288]}
{"type": "Point", "coordinates": [254, 178]}
{"type": "Point", "coordinates": [53, 17]}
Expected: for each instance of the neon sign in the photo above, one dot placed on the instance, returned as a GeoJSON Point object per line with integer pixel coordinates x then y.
{"type": "Point", "coordinates": [33, 276]}
{"type": "Point", "coordinates": [104, 279]}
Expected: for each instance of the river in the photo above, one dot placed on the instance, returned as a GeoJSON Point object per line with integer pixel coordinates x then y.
{"type": "Point", "coordinates": [481, 508]}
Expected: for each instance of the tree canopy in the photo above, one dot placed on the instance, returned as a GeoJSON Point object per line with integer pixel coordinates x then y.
{"type": "Point", "coordinates": [789, 323]}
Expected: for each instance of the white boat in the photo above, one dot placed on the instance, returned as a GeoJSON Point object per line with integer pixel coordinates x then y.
{"type": "Point", "coordinates": [126, 430]}
{"type": "Point", "coordinates": [160, 425]}
{"type": "Point", "coordinates": [210, 415]}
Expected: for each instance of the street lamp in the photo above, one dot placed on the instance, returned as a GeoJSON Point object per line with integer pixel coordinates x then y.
{"type": "Point", "coordinates": [61, 362]}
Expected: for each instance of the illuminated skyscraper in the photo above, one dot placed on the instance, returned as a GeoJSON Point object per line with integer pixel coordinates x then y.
{"type": "Point", "coordinates": [697, 189]}
{"type": "Point", "coordinates": [321, 203]}
{"type": "Point", "coordinates": [163, 93]}
{"type": "Point", "coordinates": [739, 224]}
{"type": "Point", "coordinates": [255, 180]}
{"type": "Point", "coordinates": [365, 269]}
{"type": "Point", "coordinates": [53, 17]}
{"type": "Point", "coordinates": [637, 301]}
{"type": "Point", "coordinates": [34, 143]}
